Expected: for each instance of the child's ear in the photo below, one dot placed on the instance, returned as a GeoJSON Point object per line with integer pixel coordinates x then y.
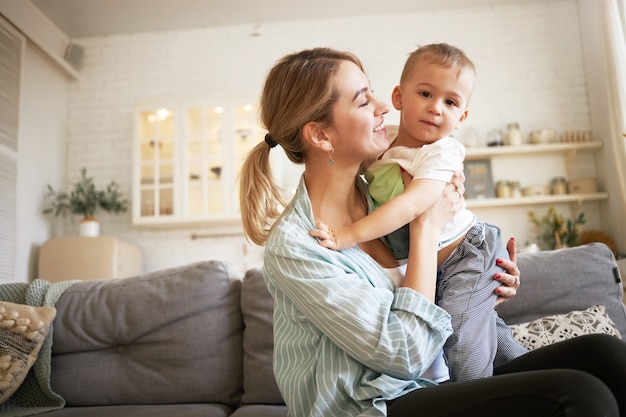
{"type": "Point", "coordinates": [462, 119]}
{"type": "Point", "coordinates": [396, 97]}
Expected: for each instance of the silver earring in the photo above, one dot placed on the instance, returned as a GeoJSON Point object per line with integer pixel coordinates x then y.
{"type": "Point", "coordinates": [330, 156]}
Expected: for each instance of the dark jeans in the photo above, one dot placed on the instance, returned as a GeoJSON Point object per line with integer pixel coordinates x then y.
{"type": "Point", "coordinates": [580, 377]}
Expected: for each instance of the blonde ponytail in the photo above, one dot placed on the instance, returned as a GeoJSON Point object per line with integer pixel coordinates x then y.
{"type": "Point", "coordinates": [259, 197]}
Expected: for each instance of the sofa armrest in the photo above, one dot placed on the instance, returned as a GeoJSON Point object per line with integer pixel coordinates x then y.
{"type": "Point", "coordinates": [560, 281]}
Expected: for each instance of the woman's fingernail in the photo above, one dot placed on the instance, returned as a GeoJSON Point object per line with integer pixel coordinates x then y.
{"type": "Point", "coordinates": [499, 261]}
{"type": "Point", "coordinates": [498, 291]}
{"type": "Point", "coordinates": [498, 276]}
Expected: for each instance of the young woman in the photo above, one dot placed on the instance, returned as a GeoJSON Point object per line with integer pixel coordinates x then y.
{"type": "Point", "coordinates": [355, 334]}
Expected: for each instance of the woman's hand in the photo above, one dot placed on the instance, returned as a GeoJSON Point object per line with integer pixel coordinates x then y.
{"type": "Point", "coordinates": [458, 182]}
{"type": "Point", "coordinates": [450, 202]}
{"type": "Point", "coordinates": [509, 279]}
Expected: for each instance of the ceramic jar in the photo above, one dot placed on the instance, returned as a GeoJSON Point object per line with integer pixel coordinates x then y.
{"type": "Point", "coordinates": [89, 227]}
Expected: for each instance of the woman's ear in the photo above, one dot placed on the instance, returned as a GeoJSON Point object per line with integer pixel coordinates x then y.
{"type": "Point", "coordinates": [396, 97]}
{"type": "Point", "coordinates": [316, 136]}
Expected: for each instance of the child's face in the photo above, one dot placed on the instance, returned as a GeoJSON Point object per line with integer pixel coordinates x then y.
{"type": "Point", "coordinates": [433, 102]}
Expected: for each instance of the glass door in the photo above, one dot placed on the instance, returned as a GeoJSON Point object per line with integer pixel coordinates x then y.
{"type": "Point", "coordinates": [204, 161]}
{"type": "Point", "coordinates": [156, 163]}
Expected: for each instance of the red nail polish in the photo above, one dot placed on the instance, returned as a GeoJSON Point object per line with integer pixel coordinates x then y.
{"type": "Point", "coordinates": [498, 275]}
{"type": "Point", "coordinates": [498, 261]}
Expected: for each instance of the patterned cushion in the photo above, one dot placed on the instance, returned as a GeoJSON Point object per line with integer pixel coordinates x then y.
{"type": "Point", "coordinates": [552, 329]}
{"type": "Point", "coordinates": [22, 331]}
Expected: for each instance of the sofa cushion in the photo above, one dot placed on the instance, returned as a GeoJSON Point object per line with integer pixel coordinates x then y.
{"type": "Point", "coordinates": [564, 280]}
{"type": "Point", "coordinates": [257, 307]}
{"type": "Point", "coordinates": [552, 329]}
{"type": "Point", "coordinates": [172, 336]}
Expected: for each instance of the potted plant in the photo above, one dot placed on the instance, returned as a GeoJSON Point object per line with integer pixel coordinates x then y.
{"type": "Point", "coordinates": [84, 200]}
{"type": "Point", "coordinates": [555, 231]}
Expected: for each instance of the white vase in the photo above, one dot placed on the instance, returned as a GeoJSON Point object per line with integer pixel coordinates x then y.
{"type": "Point", "coordinates": [89, 227]}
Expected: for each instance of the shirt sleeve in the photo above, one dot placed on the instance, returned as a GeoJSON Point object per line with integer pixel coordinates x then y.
{"type": "Point", "coordinates": [438, 160]}
{"type": "Point", "coordinates": [346, 297]}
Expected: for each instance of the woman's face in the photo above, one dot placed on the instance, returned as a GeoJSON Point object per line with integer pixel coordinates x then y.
{"type": "Point", "coordinates": [358, 130]}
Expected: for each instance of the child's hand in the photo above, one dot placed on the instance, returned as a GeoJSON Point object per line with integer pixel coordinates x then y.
{"type": "Point", "coordinates": [332, 239]}
{"type": "Point", "coordinates": [324, 235]}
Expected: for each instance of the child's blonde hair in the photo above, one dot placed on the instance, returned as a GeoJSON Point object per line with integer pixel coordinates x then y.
{"type": "Point", "coordinates": [440, 54]}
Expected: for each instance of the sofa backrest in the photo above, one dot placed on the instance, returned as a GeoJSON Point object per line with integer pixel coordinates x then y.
{"type": "Point", "coordinates": [564, 280]}
{"type": "Point", "coordinates": [172, 336]}
{"type": "Point", "coordinates": [257, 306]}
{"type": "Point", "coordinates": [200, 333]}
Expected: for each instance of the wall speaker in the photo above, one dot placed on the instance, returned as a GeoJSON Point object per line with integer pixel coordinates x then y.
{"type": "Point", "coordinates": [74, 54]}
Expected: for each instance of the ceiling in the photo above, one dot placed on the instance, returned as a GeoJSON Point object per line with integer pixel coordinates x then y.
{"type": "Point", "coordinates": [87, 18]}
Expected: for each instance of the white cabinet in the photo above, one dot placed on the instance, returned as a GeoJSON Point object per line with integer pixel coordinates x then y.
{"type": "Point", "coordinates": [187, 158]}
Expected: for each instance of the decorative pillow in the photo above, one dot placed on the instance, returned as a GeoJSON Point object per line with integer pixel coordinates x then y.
{"type": "Point", "coordinates": [23, 330]}
{"type": "Point", "coordinates": [551, 329]}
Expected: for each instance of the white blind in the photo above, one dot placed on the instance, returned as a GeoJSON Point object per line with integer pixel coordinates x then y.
{"type": "Point", "coordinates": [11, 51]}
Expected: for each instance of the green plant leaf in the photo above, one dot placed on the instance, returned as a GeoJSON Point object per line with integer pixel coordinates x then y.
{"type": "Point", "coordinates": [552, 228]}
{"type": "Point", "coordinates": [84, 199]}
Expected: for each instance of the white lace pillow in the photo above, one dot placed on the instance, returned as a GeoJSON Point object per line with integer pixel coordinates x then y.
{"type": "Point", "coordinates": [22, 331]}
{"type": "Point", "coordinates": [551, 329]}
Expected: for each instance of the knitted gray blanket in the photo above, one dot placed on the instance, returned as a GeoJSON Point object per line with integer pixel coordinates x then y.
{"type": "Point", "coordinates": [35, 394]}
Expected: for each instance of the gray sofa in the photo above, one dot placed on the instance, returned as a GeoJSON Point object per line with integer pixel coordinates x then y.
{"type": "Point", "coordinates": [197, 340]}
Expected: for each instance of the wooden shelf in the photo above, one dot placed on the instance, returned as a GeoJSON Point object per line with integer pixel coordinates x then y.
{"type": "Point", "coordinates": [487, 152]}
{"type": "Point", "coordinates": [535, 200]}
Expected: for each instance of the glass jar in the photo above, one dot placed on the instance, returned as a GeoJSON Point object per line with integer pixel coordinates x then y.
{"type": "Point", "coordinates": [494, 138]}
{"type": "Point", "coordinates": [503, 189]}
{"type": "Point", "coordinates": [559, 186]}
{"type": "Point", "coordinates": [516, 189]}
{"type": "Point", "coordinates": [513, 135]}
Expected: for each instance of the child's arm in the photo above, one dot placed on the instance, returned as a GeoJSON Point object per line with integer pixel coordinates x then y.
{"type": "Point", "coordinates": [418, 195]}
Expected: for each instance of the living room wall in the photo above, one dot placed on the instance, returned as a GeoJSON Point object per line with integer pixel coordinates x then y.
{"type": "Point", "coordinates": [529, 61]}
{"type": "Point", "coordinates": [41, 155]}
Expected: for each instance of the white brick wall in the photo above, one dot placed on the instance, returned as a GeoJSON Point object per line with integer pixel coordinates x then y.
{"type": "Point", "coordinates": [529, 60]}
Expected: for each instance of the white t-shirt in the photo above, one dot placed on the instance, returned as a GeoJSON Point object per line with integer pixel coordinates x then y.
{"type": "Point", "coordinates": [437, 161]}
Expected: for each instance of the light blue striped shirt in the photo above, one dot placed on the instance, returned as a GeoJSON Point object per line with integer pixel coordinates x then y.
{"type": "Point", "coordinates": [345, 339]}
